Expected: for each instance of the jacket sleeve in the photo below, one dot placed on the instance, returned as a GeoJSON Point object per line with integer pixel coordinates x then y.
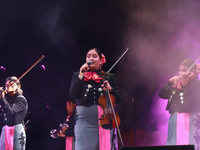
{"type": "Point", "coordinates": [76, 86]}
{"type": "Point", "coordinates": [164, 92]}
{"type": "Point", "coordinates": [19, 105]}
{"type": "Point", "coordinates": [115, 91]}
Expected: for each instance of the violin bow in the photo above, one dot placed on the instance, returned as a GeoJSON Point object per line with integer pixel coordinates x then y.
{"type": "Point", "coordinates": [192, 65]}
{"type": "Point", "coordinates": [118, 59]}
{"type": "Point", "coordinates": [110, 98]}
{"type": "Point", "coordinates": [41, 57]}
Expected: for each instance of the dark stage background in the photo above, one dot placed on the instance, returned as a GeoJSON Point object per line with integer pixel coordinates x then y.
{"type": "Point", "coordinates": [160, 35]}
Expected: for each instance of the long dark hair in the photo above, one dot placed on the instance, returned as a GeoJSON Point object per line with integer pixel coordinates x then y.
{"type": "Point", "coordinates": [70, 100]}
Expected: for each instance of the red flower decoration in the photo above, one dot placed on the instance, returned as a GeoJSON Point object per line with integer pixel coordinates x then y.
{"type": "Point", "coordinates": [103, 59]}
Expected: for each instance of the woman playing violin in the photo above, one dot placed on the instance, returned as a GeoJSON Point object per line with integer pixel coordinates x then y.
{"type": "Point", "coordinates": [183, 94]}
{"type": "Point", "coordinates": [87, 86]}
{"type": "Point", "coordinates": [15, 107]}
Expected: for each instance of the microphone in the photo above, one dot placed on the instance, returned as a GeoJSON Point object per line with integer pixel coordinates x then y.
{"type": "Point", "coordinates": [89, 62]}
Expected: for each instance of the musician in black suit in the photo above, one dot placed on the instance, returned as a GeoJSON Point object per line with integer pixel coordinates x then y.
{"type": "Point", "coordinates": [14, 109]}
{"type": "Point", "coordinates": [183, 94]}
{"type": "Point", "coordinates": [87, 86]}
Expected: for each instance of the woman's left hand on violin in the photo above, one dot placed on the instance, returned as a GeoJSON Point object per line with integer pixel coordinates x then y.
{"type": "Point", "coordinates": [106, 86]}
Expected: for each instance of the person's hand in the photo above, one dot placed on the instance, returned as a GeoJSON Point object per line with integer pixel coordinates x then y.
{"type": "Point", "coordinates": [64, 128]}
{"type": "Point", "coordinates": [83, 69]}
{"type": "Point", "coordinates": [185, 77]}
{"type": "Point", "coordinates": [61, 134]}
{"type": "Point", "coordinates": [106, 85]}
{"type": "Point", "coordinates": [1, 92]}
{"type": "Point", "coordinates": [174, 79]}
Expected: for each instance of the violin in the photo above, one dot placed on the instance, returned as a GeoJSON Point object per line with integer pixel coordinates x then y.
{"type": "Point", "coordinates": [109, 119]}
{"type": "Point", "coordinates": [7, 92]}
{"type": "Point", "coordinates": [10, 93]}
{"type": "Point", "coordinates": [11, 89]}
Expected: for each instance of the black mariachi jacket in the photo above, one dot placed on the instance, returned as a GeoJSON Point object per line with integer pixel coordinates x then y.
{"type": "Point", "coordinates": [87, 92]}
{"type": "Point", "coordinates": [186, 99]}
{"type": "Point", "coordinates": [15, 111]}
